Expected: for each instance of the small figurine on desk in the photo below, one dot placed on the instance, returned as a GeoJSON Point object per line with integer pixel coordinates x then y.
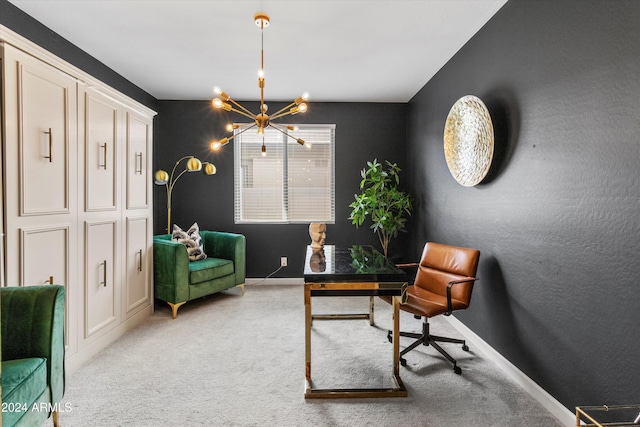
{"type": "Point", "coordinates": [318, 234]}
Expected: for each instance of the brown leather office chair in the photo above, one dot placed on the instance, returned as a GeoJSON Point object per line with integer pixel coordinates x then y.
{"type": "Point", "coordinates": [443, 283]}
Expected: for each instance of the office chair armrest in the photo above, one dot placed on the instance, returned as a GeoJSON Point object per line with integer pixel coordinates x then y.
{"type": "Point", "coordinates": [450, 285]}
{"type": "Point", "coordinates": [409, 266]}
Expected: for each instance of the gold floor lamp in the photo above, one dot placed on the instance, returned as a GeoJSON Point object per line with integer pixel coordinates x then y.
{"type": "Point", "coordinates": [163, 178]}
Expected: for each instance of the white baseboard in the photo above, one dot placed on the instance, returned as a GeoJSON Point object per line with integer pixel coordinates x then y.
{"type": "Point", "coordinates": [74, 361]}
{"type": "Point", "coordinates": [558, 410]}
{"type": "Point", "coordinates": [275, 281]}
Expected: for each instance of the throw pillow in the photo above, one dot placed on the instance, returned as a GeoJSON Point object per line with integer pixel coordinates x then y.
{"type": "Point", "coordinates": [191, 239]}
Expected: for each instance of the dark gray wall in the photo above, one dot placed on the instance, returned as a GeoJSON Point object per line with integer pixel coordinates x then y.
{"type": "Point", "coordinates": [557, 220]}
{"type": "Point", "coordinates": [363, 132]}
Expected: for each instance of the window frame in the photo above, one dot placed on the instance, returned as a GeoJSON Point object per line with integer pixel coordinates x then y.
{"type": "Point", "coordinates": [274, 139]}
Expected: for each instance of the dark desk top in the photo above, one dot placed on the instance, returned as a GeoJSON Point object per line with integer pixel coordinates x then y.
{"type": "Point", "coordinates": [354, 264]}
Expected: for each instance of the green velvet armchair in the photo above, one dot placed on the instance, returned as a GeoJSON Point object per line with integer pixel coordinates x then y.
{"type": "Point", "coordinates": [33, 377]}
{"type": "Point", "coordinates": [178, 280]}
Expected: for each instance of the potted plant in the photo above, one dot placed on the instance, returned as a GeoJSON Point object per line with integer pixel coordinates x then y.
{"type": "Point", "coordinates": [382, 201]}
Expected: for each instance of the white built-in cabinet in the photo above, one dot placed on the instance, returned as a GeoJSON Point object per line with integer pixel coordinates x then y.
{"type": "Point", "coordinates": [77, 205]}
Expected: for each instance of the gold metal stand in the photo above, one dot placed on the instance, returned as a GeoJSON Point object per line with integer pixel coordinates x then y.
{"type": "Point", "coordinates": [348, 289]}
{"type": "Point", "coordinates": [367, 316]}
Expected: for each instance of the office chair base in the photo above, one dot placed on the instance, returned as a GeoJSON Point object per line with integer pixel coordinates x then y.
{"type": "Point", "coordinates": [426, 339]}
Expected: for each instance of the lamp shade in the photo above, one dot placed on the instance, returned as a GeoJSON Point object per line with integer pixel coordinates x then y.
{"type": "Point", "coordinates": [161, 177]}
{"type": "Point", "coordinates": [194, 165]}
{"type": "Point", "coordinates": [209, 168]}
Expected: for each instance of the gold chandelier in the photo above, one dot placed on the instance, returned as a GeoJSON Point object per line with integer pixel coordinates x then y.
{"type": "Point", "coordinates": [261, 120]}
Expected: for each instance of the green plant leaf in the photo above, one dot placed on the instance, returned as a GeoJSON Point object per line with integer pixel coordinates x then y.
{"type": "Point", "coordinates": [381, 201]}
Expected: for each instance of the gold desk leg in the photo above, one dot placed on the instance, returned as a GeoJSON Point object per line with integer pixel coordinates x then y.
{"type": "Point", "coordinates": [307, 337]}
{"type": "Point", "coordinates": [371, 311]}
{"type": "Point", "coordinates": [54, 416]}
{"type": "Point", "coordinates": [396, 337]}
{"type": "Point", "coordinates": [398, 391]}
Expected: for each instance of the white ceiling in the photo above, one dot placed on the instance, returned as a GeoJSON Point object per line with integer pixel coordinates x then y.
{"type": "Point", "coordinates": [337, 50]}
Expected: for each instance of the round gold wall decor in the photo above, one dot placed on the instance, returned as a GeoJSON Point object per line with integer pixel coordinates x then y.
{"type": "Point", "coordinates": [468, 141]}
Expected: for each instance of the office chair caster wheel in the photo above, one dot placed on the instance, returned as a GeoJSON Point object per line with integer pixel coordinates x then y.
{"type": "Point", "coordinates": [403, 361]}
{"type": "Point", "coordinates": [465, 347]}
{"type": "Point", "coordinates": [457, 370]}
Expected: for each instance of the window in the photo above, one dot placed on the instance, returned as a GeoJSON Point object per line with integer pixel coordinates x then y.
{"type": "Point", "coordinates": [292, 183]}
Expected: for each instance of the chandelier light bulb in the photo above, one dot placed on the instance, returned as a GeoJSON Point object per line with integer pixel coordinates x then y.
{"type": "Point", "coordinates": [305, 96]}
{"type": "Point", "coordinates": [217, 90]}
{"type": "Point", "coordinates": [264, 108]}
{"type": "Point", "coordinates": [302, 108]}
{"type": "Point", "coordinates": [215, 145]}
{"type": "Point", "coordinates": [217, 103]}
{"type": "Point", "coordinates": [231, 127]}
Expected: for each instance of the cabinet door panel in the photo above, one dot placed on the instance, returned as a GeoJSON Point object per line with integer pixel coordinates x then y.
{"type": "Point", "coordinates": [45, 258]}
{"type": "Point", "coordinates": [100, 289]}
{"type": "Point", "coordinates": [138, 176]}
{"type": "Point", "coordinates": [44, 98]}
{"type": "Point", "coordinates": [137, 291]}
{"type": "Point", "coordinates": [101, 142]}
{"type": "Point", "coordinates": [44, 254]}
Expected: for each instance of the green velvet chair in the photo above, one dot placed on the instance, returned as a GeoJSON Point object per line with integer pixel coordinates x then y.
{"type": "Point", "coordinates": [33, 377]}
{"type": "Point", "coordinates": [178, 280]}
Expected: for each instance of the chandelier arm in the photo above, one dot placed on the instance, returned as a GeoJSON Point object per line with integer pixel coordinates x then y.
{"type": "Point", "coordinates": [286, 113]}
{"type": "Point", "coordinates": [243, 130]}
{"type": "Point", "coordinates": [282, 131]}
{"type": "Point", "coordinates": [282, 110]}
{"type": "Point", "coordinates": [241, 107]}
{"type": "Point", "coordinates": [250, 115]}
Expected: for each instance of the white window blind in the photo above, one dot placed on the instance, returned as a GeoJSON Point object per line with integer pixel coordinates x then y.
{"type": "Point", "coordinates": [292, 183]}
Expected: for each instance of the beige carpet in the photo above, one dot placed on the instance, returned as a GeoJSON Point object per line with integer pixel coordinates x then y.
{"type": "Point", "coordinates": [231, 360]}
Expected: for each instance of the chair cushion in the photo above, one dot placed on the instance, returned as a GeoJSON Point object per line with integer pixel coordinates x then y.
{"type": "Point", "coordinates": [209, 269]}
{"type": "Point", "coordinates": [422, 302]}
{"type": "Point", "coordinates": [23, 381]}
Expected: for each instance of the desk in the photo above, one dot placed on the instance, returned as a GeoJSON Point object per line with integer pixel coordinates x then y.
{"type": "Point", "coordinates": [355, 271]}
{"type": "Point", "coordinates": [603, 416]}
